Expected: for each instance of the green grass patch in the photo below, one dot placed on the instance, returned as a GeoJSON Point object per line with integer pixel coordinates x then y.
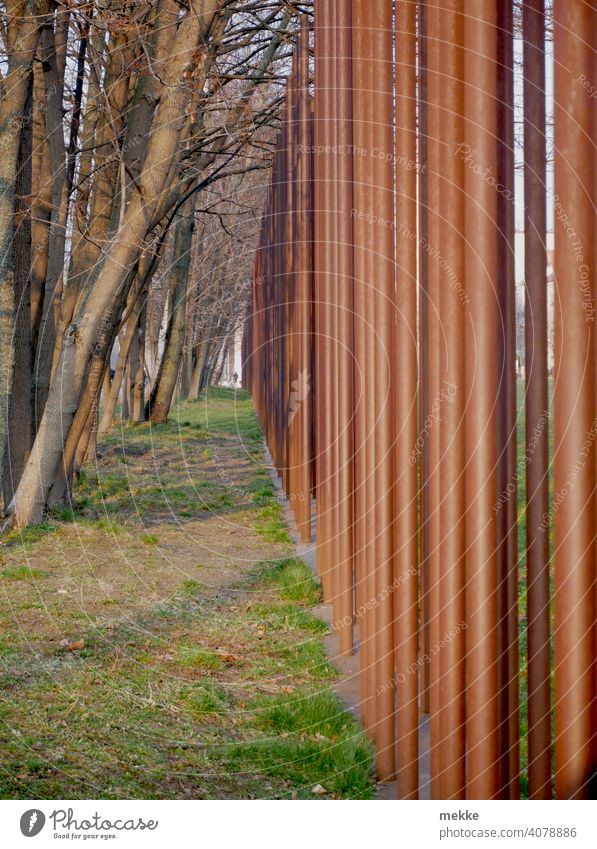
{"type": "Point", "coordinates": [206, 698]}
{"type": "Point", "coordinates": [293, 579]}
{"type": "Point", "coordinates": [310, 739]}
{"type": "Point", "coordinates": [30, 535]}
{"type": "Point", "coordinates": [196, 657]}
{"type": "Point", "coordinates": [150, 539]}
{"type": "Point", "coordinates": [288, 617]}
{"type": "Point", "coordinates": [22, 573]}
{"type": "Point", "coordinates": [271, 525]}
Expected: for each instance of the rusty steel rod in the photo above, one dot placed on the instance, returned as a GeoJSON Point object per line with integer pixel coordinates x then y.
{"type": "Point", "coordinates": [405, 371]}
{"type": "Point", "coordinates": [344, 489]}
{"type": "Point", "coordinates": [452, 304]}
{"type": "Point", "coordinates": [304, 377]}
{"type": "Point", "coordinates": [332, 365]}
{"type": "Point", "coordinates": [574, 399]}
{"type": "Point", "coordinates": [377, 684]}
{"type": "Point", "coordinates": [434, 341]}
{"type": "Point", "coordinates": [322, 274]}
{"type": "Point", "coordinates": [382, 289]}
{"type": "Point", "coordinates": [423, 343]}
{"type": "Point", "coordinates": [481, 391]}
{"type": "Point", "coordinates": [536, 403]}
{"type": "Point", "coordinates": [361, 80]}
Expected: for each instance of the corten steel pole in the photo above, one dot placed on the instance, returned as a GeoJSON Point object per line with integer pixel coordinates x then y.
{"type": "Point", "coordinates": [321, 289]}
{"type": "Point", "coordinates": [574, 395]}
{"type": "Point", "coordinates": [507, 415]}
{"type": "Point", "coordinates": [423, 453]}
{"type": "Point", "coordinates": [481, 392]}
{"type": "Point", "coordinates": [295, 398]}
{"type": "Point", "coordinates": [361, 80]}
{"type": "Point", "coordinates": [332, 365]}
{"type": "Point", "coordinates": [382, 288]}
{"type": "Point", "coordinates": [312, 305]}
{"type": "Point", "coordinates": [288, 334]}
{"type": "Point", "coordinates": [276, 348]}
{"type": "Point", "coordinates": [304, 290]}
{"type": "Point", "coordinates": [434, 340]}
{"type": "Point", "coordinates": [536, 403]}
{"type": "Point", "coordinates": [344, 291]}
{"type": "Point", "coordinates": [273, 309]}
{"type": "Point", "coordinates": [287, 285]}
{"type": "Point", "coordinates": [452, 298]}
{"type": "Point", "coordinates": [405, 375]}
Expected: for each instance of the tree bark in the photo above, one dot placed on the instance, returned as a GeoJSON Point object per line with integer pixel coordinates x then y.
{"type": "Point", "coordinates": [22, 28]}
{"type": "Point", "coordinates": [139, 366]}
{"type": "Point", "coordinates": [20, 421]}
{"type": "Point", "coordinates": [161, 397]}
{"type": "Point", "coordinates": [52, 50]}
{"type": "Point", "coordinates": [41, 208]}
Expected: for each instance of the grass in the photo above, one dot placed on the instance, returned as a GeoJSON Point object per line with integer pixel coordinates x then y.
{"type": "Point", "coordinates": [270, 524]}
{"type": "Point", "coordinates": [26, 537]}
{"type": "Point", "coordinates": [140, 713]}
{"type": "Point", "coordinates": [149, 539]}
{"type": "Point", "coordinates": [206, 699]}
{"type": "Point", "coordinates": [21, 573]}
{"type": "Point", "coordinates": [193, 657]}
{"type": "Point", "coordinates": [293, 580]}
{"type": "Point", "coordinates": [170, 650]}
{"type": "Point", "coordinates": [310, 740]}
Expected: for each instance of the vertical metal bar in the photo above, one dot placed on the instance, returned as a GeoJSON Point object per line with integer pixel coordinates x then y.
{"type": "Point", "coordinates": [423, 341]}
{"type": "Point", "coordinates": [289, 336]}
{"type": "Point", "coordinates": [536, 403]}
{"type": "Point", "coordinates": [405, 375]}
{"type": "Point", "coordinates": [332, 365]}
{"type": "Point", "coordinates": [430, 425]}
{"type": "Point", "coordinates": [305, 377]}
{"type": "Point", "coordinates": [322, 270]}
{"type": "Point", "coordinates": [361, 79]}
{"type": "Point", "coordinates": [344, 344]}
{"type": "Point", "coordinates": [481, 393]}
{"type": "Point", "coordinates": [452, 298]}
{"type": "Point", "coordinates": [287, 290]}
{"type": "Point", "coordinates": [383, 297]}
{"type": "Point", "coordinates": [574, 394]}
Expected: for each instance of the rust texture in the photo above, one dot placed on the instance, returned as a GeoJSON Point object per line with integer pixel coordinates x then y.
{"type": "Point", "coordinates": [380, 351]}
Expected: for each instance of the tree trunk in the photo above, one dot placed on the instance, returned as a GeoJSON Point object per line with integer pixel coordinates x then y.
{"type": "Point", "coordinates": [161, 397]}
{"type": "Point", "coordinates": [41, 208]}
{"type": "Point", "coordinates": [139, 366]}
{"type": "Point", "coordinates": [20, 421]}
{"type": "Point", "coordinates": [23, 33]}
{"type": "Point", "coordinates": [52, 49]}
{"type": "Point", "coordinates": [121, 363]}
{"type": "Point", "coordinates": [91, 232]}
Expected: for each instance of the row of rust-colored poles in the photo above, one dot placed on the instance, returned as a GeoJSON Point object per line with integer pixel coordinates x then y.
{"type": "Point", "coordinates": [380, 353]}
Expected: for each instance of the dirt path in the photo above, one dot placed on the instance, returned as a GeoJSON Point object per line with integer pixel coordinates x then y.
{"type": "Point", "coordinates": [157, 640]}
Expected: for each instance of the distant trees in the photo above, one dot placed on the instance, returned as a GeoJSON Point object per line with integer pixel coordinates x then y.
{"type": "Point", "coordinates": [133, 139]}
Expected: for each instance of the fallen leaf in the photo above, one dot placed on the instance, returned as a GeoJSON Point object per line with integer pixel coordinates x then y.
{"type": "Point", "coordinates": [75, 646]}
{"type": "Point", "coordinates": [318, 790]}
